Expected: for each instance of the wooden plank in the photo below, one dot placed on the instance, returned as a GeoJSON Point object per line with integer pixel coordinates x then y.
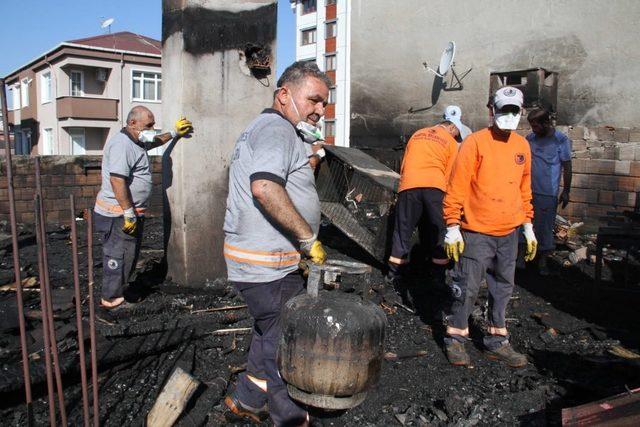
{"type": "Point", "coordinates": [173, 399]}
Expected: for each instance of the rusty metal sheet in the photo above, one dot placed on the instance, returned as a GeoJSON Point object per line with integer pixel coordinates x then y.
{"type": "Point", "coordinates": [619, 410]}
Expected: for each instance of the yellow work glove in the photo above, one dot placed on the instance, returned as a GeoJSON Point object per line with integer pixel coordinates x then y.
{"type": "Point", "coordinates": [130, 225]}
{"type": "Point", "coordinates": [183, 127]}
{"type": "Point", "coordinates": [532, 242]}
{"type": "Point", "coordinates": [453, 242]}
{"type": "Point", "coordinates": [313, 249]}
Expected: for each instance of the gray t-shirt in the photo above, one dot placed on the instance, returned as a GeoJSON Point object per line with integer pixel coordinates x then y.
{"type": "Point", "coordinates": [255, 250]}
{"type": "Point", "coordinates": [129, 160]}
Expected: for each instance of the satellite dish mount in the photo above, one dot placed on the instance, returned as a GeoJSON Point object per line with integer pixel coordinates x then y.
{"type": "Point", "coordinates": [446, 65]}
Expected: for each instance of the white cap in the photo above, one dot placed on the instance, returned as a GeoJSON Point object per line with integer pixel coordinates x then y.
{"type": "Point", "coordinates": [508, 95]}
{"type": "Point", "coordinates": [453, 113]}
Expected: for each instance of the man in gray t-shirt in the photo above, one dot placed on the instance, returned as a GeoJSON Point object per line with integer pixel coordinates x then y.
{"type": "Point", "coordinates": [272, 219]}
{"type": "Point", "coordinates": [122, 200]}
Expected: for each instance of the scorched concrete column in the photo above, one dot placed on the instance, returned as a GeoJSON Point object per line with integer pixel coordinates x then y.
{"type": "Point", "coordinates": [206, 77]}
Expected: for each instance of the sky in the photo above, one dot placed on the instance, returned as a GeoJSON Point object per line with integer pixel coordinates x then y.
{"type": "Point", "coordinates": [30, 28]}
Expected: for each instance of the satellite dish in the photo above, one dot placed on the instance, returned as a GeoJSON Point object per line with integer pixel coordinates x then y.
{"type": "Point", "coordinates": [107, 24]}
{"type": "Point", "coordinates": [447, 58]}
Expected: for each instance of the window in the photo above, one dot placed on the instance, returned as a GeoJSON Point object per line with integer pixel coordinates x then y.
{"type": "Point", "coordinates": [14, 92]}
{"type": "Point", "coordinates": [308, 36]}
{"type": "Point", "coordinates": [45, 87]}
{"type": "Point", "coordinates": [146, 86]}
{"type": "Point", "coordinates": [24, 92]}
{"type": "Point", "coordinates": [329, 128]}
{"type": "Point", "coordinates": [308, 6]}
{"type": "Point", "coordinates": [330, 2]}
{"type": "Point", "coordinates": [332, 95]}
{"type": "Point", "coordinates": [330, 63]}
{"type": "Point", "coordinates": [77, 141]}
{"type": "Point", "coordinates": [47, 141]}
{"type": "Point", "coordinates": [330, 29]}
{"type": "Point", "coordinates": [76, 83]}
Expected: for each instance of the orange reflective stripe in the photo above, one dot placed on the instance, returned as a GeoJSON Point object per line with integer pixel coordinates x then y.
{"type": "Point", "coordinates": [455, 331]}
{"type": "Point", "coordinates": [116, 209]}
{"type": "Point", "coordinates": [494, 330]}
{"type": "Point", "coordinates": [264, 258]}
{"type": "Point", "coordinates": [396, 260]}
{"type": "Point", "coordinates": [282, 263]}
{"type": "Point", "coordinates": [440, 261]}
{"type": "Point", "coordinates": [248, 251]}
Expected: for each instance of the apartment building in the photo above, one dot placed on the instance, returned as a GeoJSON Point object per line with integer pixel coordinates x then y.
{"type": "Point", "coordinates": [71, 99]}
{"type": "Point", "coordinates": [323, 35]}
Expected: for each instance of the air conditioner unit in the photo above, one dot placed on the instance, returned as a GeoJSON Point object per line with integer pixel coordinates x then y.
{"type": "Point", "coordinates": [101, 74]}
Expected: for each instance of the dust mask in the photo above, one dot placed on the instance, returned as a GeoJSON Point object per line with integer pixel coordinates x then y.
{"type": "Point", "coordinates": [307, 131]}
{"type": "Point", "coordinates": [506, 121]}
{"type": "Point", "coordinates": [147, 136]}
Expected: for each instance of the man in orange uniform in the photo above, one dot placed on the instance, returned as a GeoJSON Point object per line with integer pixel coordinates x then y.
{"type": "Point", "coordinates": [489, 198]}
{"type": "Point", "coordinates": [425, 170]}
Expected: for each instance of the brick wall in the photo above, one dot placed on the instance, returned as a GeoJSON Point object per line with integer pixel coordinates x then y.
{"type": "Point", "coordinates": [606, 171]}
{"type": "Point", "coordinates": [61, 177]}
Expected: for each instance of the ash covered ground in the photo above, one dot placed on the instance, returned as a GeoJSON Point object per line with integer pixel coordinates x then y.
{"type": "Point", "coordinates": [569, 336]}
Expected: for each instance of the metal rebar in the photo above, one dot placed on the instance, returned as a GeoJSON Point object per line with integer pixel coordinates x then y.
{"type": "Point", "coordinates": [92, 319]}
{"type": "Point", "coordinates": [76, 286]}
{"type": "Point", "coordinates": [48, 291]}
{"type": "Point", "coordinates": [16, 257]}
{"type": "Point", "coordinates": [45, 318]}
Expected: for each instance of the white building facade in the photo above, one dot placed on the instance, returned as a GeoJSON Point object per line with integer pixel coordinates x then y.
{"type": "Point", "coordinates": [323, 33]}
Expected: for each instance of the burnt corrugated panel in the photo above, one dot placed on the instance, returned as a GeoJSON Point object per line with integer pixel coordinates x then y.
{"type": "Point", "coordinates": [357, 194]}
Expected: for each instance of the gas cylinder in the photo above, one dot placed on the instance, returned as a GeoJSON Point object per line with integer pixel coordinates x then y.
{"type": "Point", "coordinates": [331, 349]}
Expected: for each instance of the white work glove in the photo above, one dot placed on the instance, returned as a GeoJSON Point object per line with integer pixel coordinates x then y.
{"type": "Point", "coordinates": [453, 242]}
{"type": "Point", "coordinates": [532, 242]}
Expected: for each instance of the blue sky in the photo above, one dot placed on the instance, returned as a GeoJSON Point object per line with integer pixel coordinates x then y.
{"type": "Point", "coordinates": [31, 27]}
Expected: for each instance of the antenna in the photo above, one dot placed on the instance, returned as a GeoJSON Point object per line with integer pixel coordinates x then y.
{"type": "Point", "coordinates": [446, 65]}
{"type": "Point", "coordinates": [107, 24]}
{"type": "Point", "coordinates": [446, 60]}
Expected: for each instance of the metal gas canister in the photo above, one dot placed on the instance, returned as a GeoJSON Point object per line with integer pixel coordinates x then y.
{"type": "Point", "coordinates": [331, 349]}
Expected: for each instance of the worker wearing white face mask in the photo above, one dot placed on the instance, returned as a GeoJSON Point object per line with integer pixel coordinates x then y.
{"type": "Point", "coordinates": [488, 199]}
{"type": "Point", "coordinates": [122, 200]}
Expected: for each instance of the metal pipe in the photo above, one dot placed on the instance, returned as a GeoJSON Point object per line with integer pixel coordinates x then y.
{"type": "Point", "coordinates": [92, 320]}
{"type": "Point", "coordinates": [48, 291]}
{"type": "Point", "coordinates": [45, 318]}
{"type": "Point", "coordinates": [16, 257]}
{"type": "Point", "coordinates": [76, 286]}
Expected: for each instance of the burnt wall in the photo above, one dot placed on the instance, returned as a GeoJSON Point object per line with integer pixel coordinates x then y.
{"type": "Point", "coordinates": [590, 43]}
{"type": "Point", "coordinates": [62, 176]}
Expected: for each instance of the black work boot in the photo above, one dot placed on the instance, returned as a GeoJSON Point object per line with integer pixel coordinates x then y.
{"type": "Point", "coordinates": [243, 410]}
{"type": "Point", "coordinates": [505, 353]}
{"type": "Point", "coordinates": [456, 353]}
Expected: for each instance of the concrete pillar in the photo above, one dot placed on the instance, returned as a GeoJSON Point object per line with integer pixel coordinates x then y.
{"type": "Point", "coordinates": [213, 71]}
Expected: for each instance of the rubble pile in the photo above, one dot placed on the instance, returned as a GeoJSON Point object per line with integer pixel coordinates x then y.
{"type": "Point", "coordinates": [580, 350]}
{"type": "Point", "coordinates": [575, 249]}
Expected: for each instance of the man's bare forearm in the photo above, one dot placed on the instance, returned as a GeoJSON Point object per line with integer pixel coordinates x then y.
{"type": "Point", "coordinates": [275, 202]}
{"type": "Point", "coordinates": [121, 192]}
{"type": "Point", "coordinates": [159, 140]}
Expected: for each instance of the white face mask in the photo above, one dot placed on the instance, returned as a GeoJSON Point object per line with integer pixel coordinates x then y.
{"type": "Point", "coordinates": [506, 121]}
{"type": "Point", "coordinates": [147, 136]}
{"type": "Point", "coordinates": [309, 132]}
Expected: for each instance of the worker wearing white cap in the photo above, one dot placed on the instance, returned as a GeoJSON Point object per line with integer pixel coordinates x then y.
{"type": "Point", "coordinates": [488, 198]}
{"type": "Point", "coordinates": [453, 113]}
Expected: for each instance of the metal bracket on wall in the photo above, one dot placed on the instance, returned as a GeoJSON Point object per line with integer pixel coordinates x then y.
{"type": "Point", "coordinates": [456, 81]}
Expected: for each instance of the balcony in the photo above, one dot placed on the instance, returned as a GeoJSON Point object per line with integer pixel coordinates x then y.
{"type": "Point", "coordinates": [72, 107]}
